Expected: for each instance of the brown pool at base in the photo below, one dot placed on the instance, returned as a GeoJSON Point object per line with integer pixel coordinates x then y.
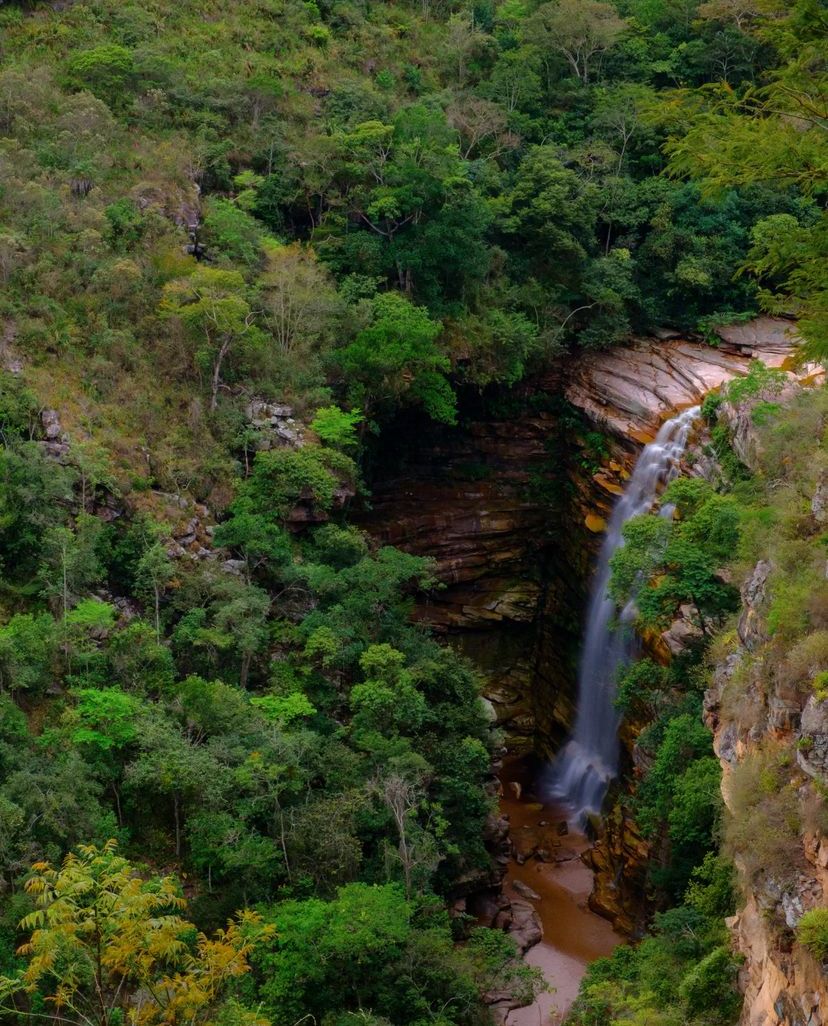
{"type": "Point", "coordinates": [573, 936]}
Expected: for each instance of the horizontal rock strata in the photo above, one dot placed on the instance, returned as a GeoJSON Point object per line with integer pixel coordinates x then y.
{"type": "Point", "coordinates": [631, 390]}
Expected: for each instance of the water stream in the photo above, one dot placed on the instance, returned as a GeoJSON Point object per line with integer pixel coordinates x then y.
{"type": "Point", "coordinates": [573, 936]}
{"type": "Point", "coordinates": [583, 769]}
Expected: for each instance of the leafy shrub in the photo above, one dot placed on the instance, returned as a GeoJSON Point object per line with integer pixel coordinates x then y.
{"type": "Point", "coordinates": [812, 932]}
{"type": "Point", "coordinates": [18, 408]}
{"type": "Point", "coordinates": [283, 477]}
{"type": "Point", "coordinates": [231, 234]}
{"type": "Point", "coordinates": [337, 427]}
{"type": "Point", "coordinates": [107, 70]}
{"type": "Point", "coordinates": [710, 406]}
{"type": "Point", "coordinates": [759, 379]}
{"type": "Point", "coordinates": [126, 223]}
{"type": "Point", "coordinates": [710, 986]}
{"type": "Point", "coordinates": [28, 646]}
{"type": "Point", "coordinates": [641, 687]}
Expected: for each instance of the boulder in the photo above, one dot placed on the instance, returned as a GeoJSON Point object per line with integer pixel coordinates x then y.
{"type": "Point", "coordinates": [275, 424]}
{"type": "Point", "coordinates": [525, 891]}
{"type": "Point", "coordinates": [524, 926]}
{"type": "Point", "coordinates": [683, 631]}
{"type": "Point", "coordinates": [50, 419]}
{"type": "Point", "coordinates": [812, 751]}
{"type": "Point", "coordinates": [769, 339]}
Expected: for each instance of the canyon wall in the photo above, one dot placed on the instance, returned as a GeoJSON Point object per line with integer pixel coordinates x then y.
{"type": "Point", "coordinates": [754, 705]}
{"type": "Point", "coordinates": [486, 501]}
{"type": "Point", "coordinates": [763, 705]}
{"type": "Point", "coordinates": [512, 505]}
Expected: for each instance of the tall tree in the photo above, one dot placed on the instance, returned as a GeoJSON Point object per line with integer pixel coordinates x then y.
{"type": "Point", "coordinates": [214, 306]}
{"type": "Point", "coordinates": [580, 30]}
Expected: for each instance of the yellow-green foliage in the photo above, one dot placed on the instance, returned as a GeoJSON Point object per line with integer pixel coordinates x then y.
{"type": "Point", "coordinates": [812, 931]}
{"type": "Point", "coordinates": [763, 829]}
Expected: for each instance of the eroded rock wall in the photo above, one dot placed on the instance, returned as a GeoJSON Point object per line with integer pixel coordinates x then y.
{"type": "Point", "coordinates": [628, 393]}
{"type": "Point", "coordinates": [755, 706]}
{"type": "Point", "coordinates": [512, 505]}
{"type": "Point", "coordinates": [783, 984]}
{"type": "Point", "coordinates": [486, 501]}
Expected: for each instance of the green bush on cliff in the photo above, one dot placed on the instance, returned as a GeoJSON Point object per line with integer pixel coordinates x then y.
{"type": "Point", "coordinates": [812, 932]}
{"type": "Point", "coordinates": [666, 563]}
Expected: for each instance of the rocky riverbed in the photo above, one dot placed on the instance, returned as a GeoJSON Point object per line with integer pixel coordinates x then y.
{"type": "Point", "coordinates": [548, 872]}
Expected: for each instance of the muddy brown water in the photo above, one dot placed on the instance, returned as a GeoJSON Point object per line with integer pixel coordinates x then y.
{"type": "Point", "coordinates": [573, 936]}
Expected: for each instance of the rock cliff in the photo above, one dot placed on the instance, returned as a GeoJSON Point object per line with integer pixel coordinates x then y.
{"type": "Point", "coordinates": [763, 709]}
{"type": "Point", "coordinates": [485, 501]}
{"type": "Point", "coordinates": [511, 505]}
{"type": "Point", "coordinates": [513, 525]}
{"type": "Point", "coordinates": [629, 391]}
{"type": "Point", "coordinates": [782, 983]}
{"type": "Point", "coordinates": [756, 705]}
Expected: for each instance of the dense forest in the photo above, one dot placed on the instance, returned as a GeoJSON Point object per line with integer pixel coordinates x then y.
{"type": "Point", "coordinates": [238, 784]}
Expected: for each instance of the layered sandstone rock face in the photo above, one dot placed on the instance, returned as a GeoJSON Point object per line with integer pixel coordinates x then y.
{"type": "Point", "coordinates": [629, 391]}
{"type": "Point", "coordinates": [485, 502]}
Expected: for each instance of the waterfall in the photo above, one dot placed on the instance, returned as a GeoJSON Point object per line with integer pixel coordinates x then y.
{"type": "Point", "coordinates": [583, 769]}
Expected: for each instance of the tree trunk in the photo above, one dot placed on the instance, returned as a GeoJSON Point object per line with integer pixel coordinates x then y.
{"type": "Point", "coordinates": [225, 345]}
{"type": "Point", "coordinates": [176, 813]}
{"type": "Point", "coordinates": [118, 812]}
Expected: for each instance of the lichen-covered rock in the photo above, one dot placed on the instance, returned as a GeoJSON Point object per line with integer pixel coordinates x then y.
{"type": "Point", "coordinates": [741, 423]}
{"type": "Point", "coordinates": [55, 441]}
{"type": "Point", "coordinates": [819, 503]}
{"type": "Point", "coordinates": [812, 750]}
{"type": "Point", "coordinates": [751, 627]}
{"type": "Point", "coordinates": [275, 425]}
{"type": "Point", "coordinates": [191, 524]}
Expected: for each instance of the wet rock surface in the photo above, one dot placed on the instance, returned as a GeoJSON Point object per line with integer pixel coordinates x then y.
{"type": "Point", "coordinates": [619, 859]}
{"type": "Point", "coordinates": [630, 390]}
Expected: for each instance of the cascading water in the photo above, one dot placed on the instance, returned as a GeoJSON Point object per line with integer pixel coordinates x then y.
{"type": "Point", "coordinates": [583, 769]}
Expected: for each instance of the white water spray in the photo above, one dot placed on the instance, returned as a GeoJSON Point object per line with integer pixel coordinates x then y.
{"type": "Point", "coordinates": [583, 769]}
